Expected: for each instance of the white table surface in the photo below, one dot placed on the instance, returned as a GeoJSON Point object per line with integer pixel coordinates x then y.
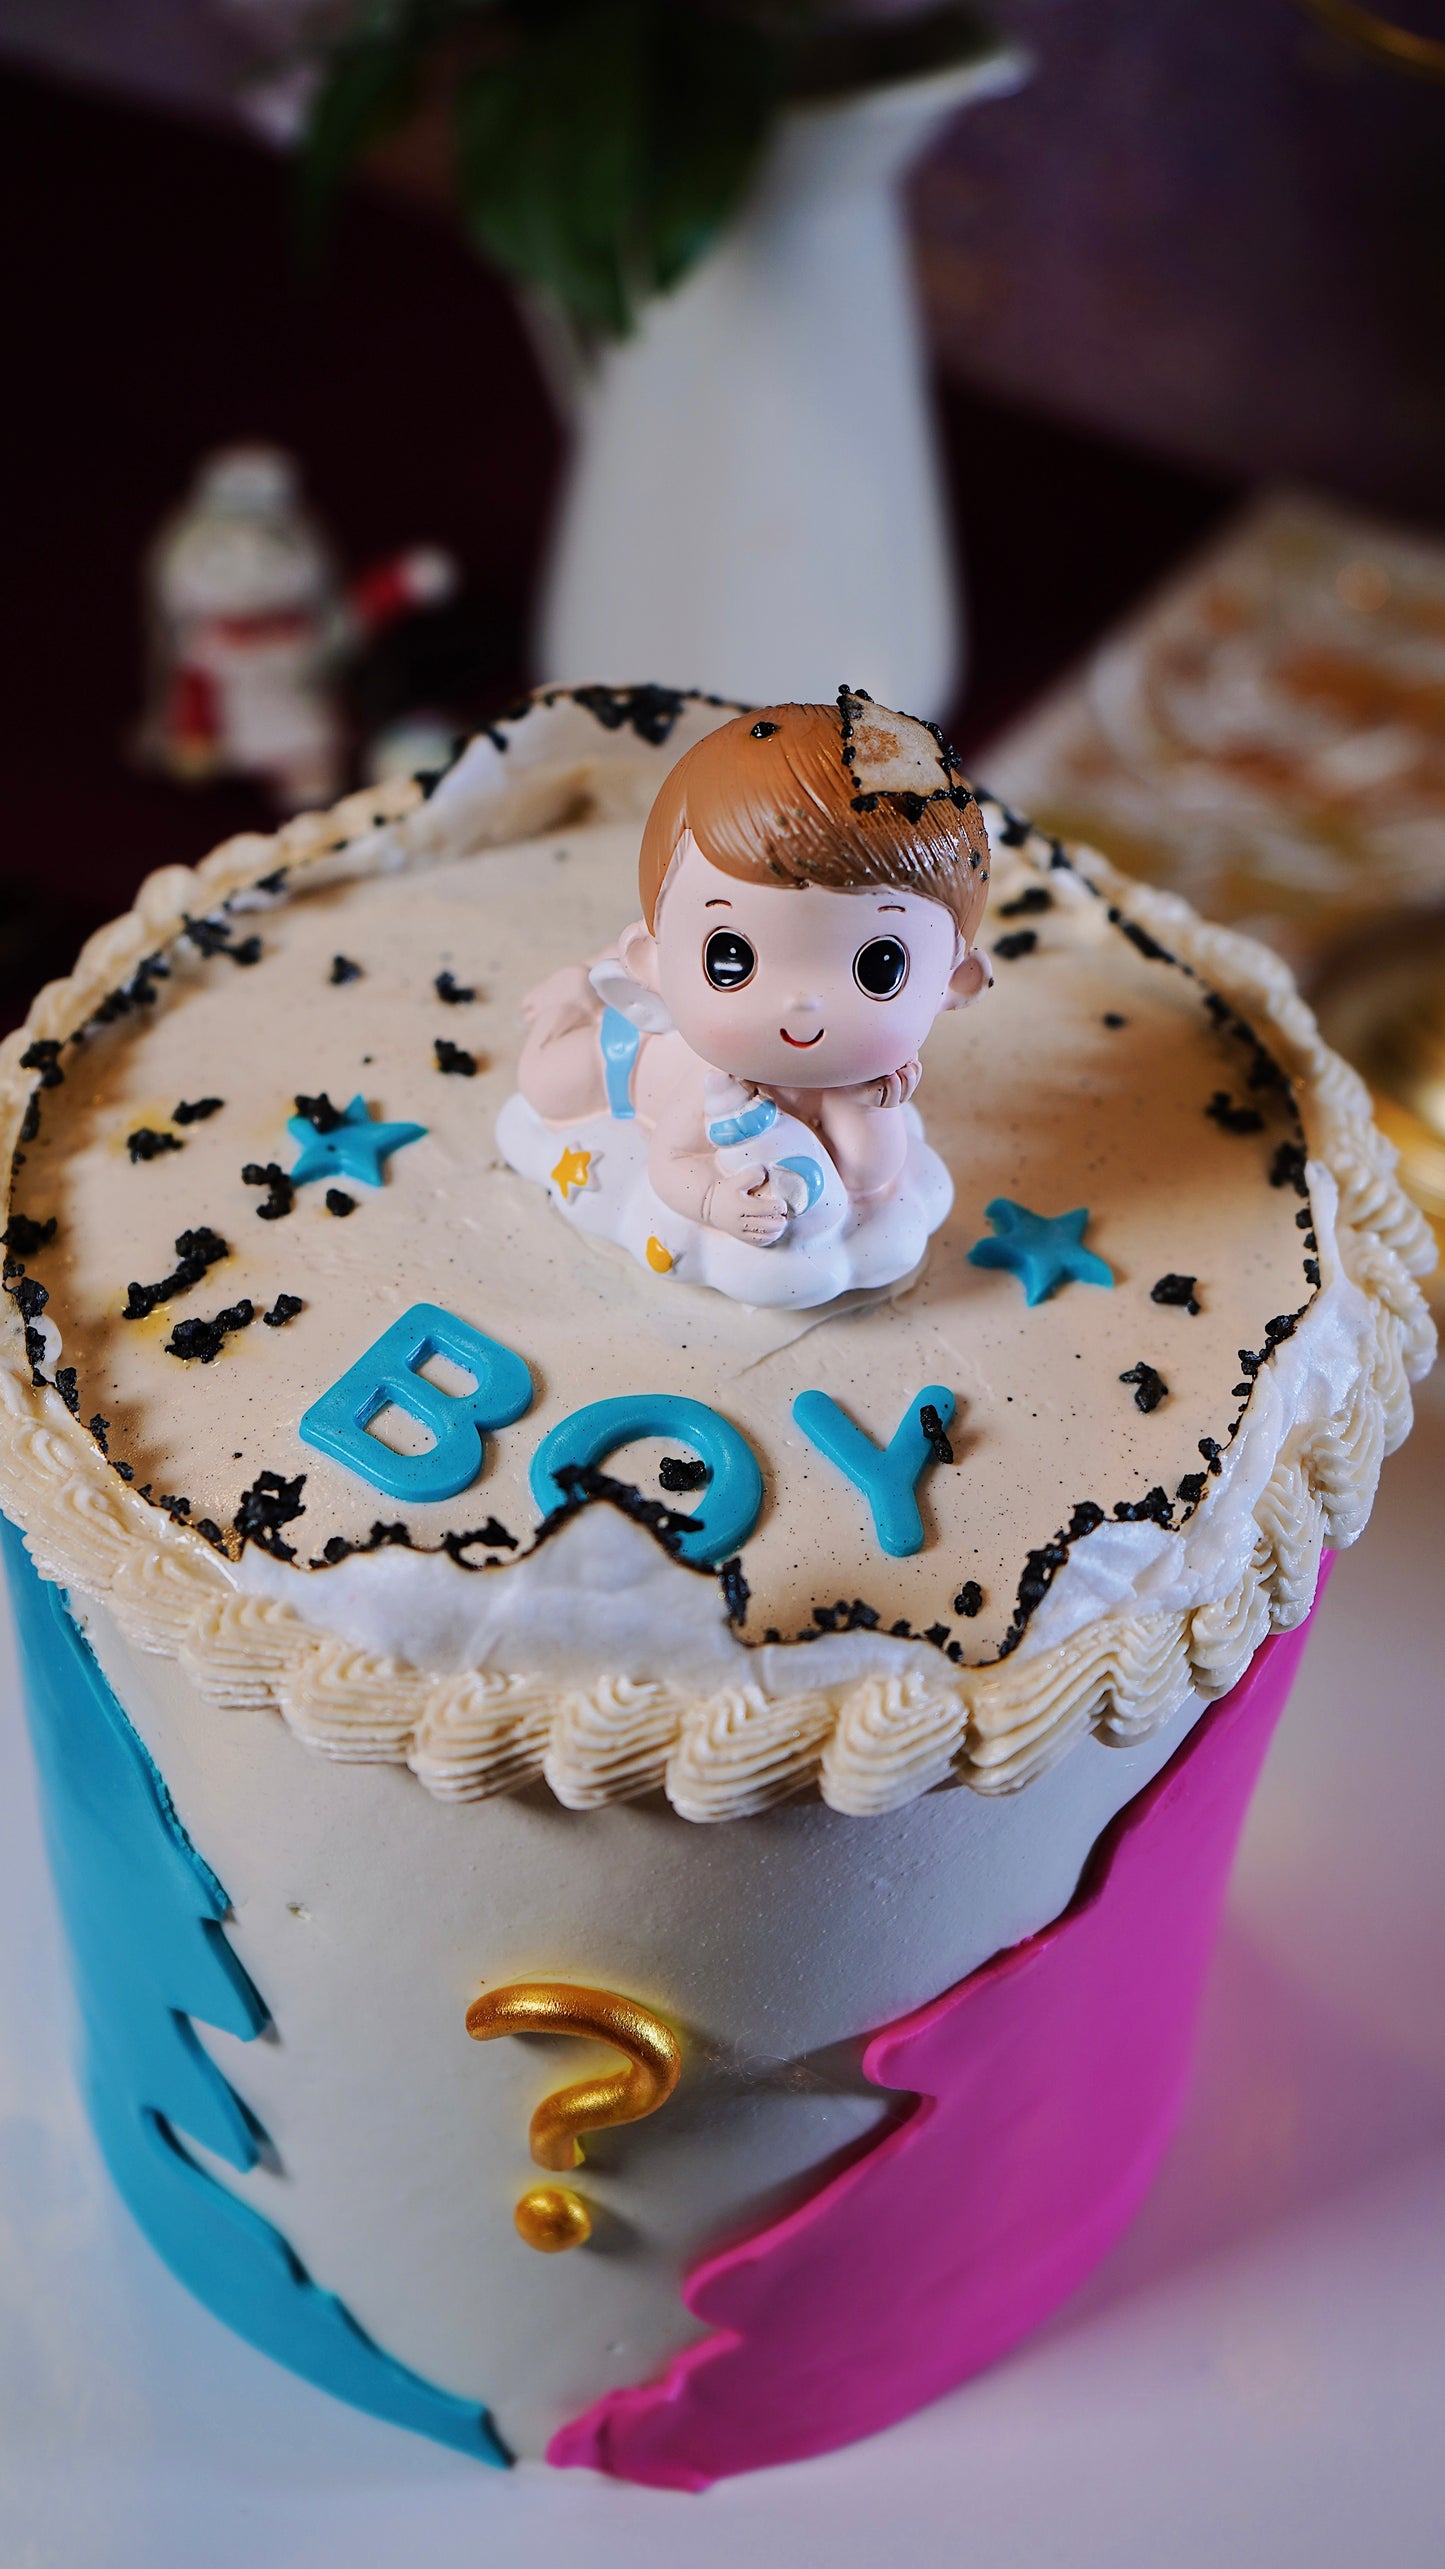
{"type": "Point", "coordinates": [1255, 2377]}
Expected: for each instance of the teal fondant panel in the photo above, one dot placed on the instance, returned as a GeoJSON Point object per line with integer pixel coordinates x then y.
{"type": "Point", "coordinates": [143, 1912]}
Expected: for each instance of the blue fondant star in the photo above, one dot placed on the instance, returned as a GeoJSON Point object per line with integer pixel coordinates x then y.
{"type": "Point", "coordinates": [353, 1148]}
{"type": "Point", "coordinates": [1044, 1250]}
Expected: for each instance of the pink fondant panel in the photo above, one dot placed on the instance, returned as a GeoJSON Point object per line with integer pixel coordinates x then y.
{"type": "Point", "coordinates": [1045, 2087]}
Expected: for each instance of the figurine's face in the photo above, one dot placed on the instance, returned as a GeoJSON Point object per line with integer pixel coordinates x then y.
{"type": "Point", "coordinates": [801, 989]}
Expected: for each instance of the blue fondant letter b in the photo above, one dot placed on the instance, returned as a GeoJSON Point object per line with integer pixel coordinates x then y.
{"type": "Point", "coordinates": [389, 1375]}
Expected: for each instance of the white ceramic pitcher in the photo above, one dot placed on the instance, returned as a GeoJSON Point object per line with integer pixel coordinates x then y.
{"type": "Point", "coordinates": [755, 504]}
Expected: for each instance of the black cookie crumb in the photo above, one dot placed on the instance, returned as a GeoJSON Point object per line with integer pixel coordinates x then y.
{"type": "Point", "coordinates": [32, 1297]}
{"type": "Point", "coordinates": [343, 969]}
{"type": "Point", "coordinates": [1287, 1168]}
{"type": "Point", "coordinates": [1019, 941]}
{"type": "Point", "coordinates": [1191, 1488]}
{"type": "Point", "coordinates": [1113, 1019]}
{"type": "Point", "coordinates": [1230, 1118]}
{"type": "Point", "coordinates": [1312, 1271]}
{"type": "Point", "coordinates": [847, 1615]}
{"type": "Point", "coordinates": [25, 1236]}
{"type": "Point", "coordinates": [282, 1192]}
{"type": "Point", "coordinates": [457, 994]}
{"type": "Point", "coordinates": [319, 1113]}
{"type": "Point", "coordinates": [284, 1308]}
{"type": "Point", "coordinates": [138, 992]}
{"type": "Point", "coordinates": [195, 1252]}
{"type": "Point", "coordinates": [44, 1056]}
{"type": "Point", "coordinates": [215, 935]}
{"type": "Point", "coordinates": [583, 1482]}
{"type": "Point", "coordinates": [735, 1590]}
{"type": "Point", "coordinates": [1212, 1450]}
{"type": "Point", "coordinates": [1157, 1509]}
{"type": "Point", "coordinates": [1177, 1291]}
{"type": "Point", "coordinates": [196, 1110]}
{"type": "Point", "coordinates": [207, 1526]}
{"type": "Point", "coordinates": [339, 1202]}
{"type": "Point", "coordinates": [650, 711]}
{"type": "Point", "coordinates": [271, 1502]}
{"type": "Point", "coordinates": [147, 1144]}
{"type": "Point", "coordinates": [491, 1537]}
{"type": "Point", "coordinates": [100, 1430]}
{"type": "Point", "coordinates": [1038, 1573]}
{"type": "Point", "coordinates": [1150, 1387]}
{"type": "Point", "coordinates": [200, 1341]}
{"type": "Point", "coordinates": [455, 1058]}
{"type": "Point", "coordinates": [678, 1472]}
{"type": "Point", "coordinates": [1149, 947]}
{"type": "Point", "coordinates": [1028, 905]}
{"type": "Point", "coordinates": [932, 1426]}
{"type": "Point", "coordinates": [65, 1384]}
{"type": "Point", "coordinates": [969, 1600]}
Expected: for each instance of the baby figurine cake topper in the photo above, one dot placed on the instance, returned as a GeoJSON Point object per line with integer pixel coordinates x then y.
{"type": "Point", "coordinates": [726, 1092]}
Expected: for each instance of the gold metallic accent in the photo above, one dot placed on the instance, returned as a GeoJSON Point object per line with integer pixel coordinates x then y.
{"type": "Point", "coordinates": [573, 1171]}
{"type": "Point", "coordinates": [1381, 37]}
{"type": "Point", "coordinates": [552, 2217]}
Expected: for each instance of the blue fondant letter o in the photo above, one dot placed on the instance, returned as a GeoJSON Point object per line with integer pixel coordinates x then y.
{"type": "Point", "coordinates": [389, 1374]}
{"type": "Point", "coordinates": [734, 1491]}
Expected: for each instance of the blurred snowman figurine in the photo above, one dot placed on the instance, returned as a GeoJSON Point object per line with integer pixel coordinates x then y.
{"type": "Point", "coordinates": [251, 628]}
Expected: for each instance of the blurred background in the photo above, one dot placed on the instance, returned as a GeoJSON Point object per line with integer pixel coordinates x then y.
{"type": "Point", "coordinates": [1071, 371]}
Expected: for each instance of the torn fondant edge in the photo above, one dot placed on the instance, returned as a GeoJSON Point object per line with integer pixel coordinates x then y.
{"type": "Point", "coordinates": [868, 1743]}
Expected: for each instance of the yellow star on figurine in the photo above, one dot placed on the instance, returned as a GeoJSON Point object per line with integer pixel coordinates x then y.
{"type": "Point", "coordinates": [571, 1171]}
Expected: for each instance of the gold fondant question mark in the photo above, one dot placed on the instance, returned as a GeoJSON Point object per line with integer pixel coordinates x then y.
{"type": "Point", "coordinates": [552, 2217]}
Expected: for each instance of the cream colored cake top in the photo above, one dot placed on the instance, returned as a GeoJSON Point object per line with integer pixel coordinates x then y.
{"type": "Point", "coordinates": [1127, 1061]}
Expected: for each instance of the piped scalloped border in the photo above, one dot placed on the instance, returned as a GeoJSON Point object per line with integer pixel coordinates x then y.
{"type": "Point", "coordinates": [868, 1746]}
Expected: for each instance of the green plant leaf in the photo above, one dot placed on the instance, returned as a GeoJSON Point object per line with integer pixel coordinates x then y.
{"type": "Point", "coordinates": [550, 155]}
{"type": "Point", "coordinates": [601, 145]}
{"type": "Point", "coordinates": [717, 85]}
{"type": "Point", "coordinates": [601, 155]}
{"type": "Point", "coordinates": [371, 79]}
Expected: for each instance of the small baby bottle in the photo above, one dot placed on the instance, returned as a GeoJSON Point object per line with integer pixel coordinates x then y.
{"type": "Point", "coordinates": [746, 1129]}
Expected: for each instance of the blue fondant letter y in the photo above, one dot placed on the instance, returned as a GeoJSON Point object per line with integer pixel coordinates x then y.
{"type": "Point", "coordinates": [888, 1478]}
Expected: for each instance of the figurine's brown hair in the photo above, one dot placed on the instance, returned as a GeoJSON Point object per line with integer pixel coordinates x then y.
{"type": "Point", "coordinates": [772, 798]}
